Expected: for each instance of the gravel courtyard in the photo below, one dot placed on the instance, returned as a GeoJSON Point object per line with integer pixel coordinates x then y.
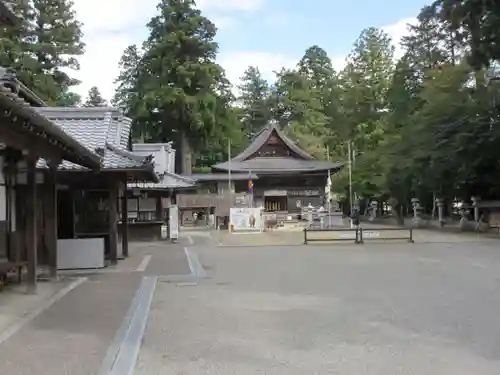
{"type": "Point", "coordinates": [430, 308]}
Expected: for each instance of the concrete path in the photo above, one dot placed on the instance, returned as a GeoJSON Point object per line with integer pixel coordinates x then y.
{"type": "Point", "coordinates": [75, 334]}
{"type": "Point", "coordinates": [200, 308]}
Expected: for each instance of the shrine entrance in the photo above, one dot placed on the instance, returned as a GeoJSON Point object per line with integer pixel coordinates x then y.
{"type": "Point", "coordinates": [275, 203]}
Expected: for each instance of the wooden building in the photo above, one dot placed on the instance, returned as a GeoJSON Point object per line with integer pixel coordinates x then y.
{"type": "Point", "coordinates": [213, 193]}
{"type": "Point", "coordinates": [92, 205]}
{"type": "Point", "coordinates": [148, 202]}
{"type": "Point", "coordinates": [25, 136]}
{"type": "Point", "coordinates": [285, 179]}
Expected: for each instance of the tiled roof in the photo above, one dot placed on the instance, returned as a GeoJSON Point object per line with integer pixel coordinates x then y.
{"type": "Point", "coordinates": [263, 135]}
{"type": "Point", "coordinates": [167, 181]}
{"type": "Point", "coordinates": [47, 132]}
{"type": "Point", "coordinates": [261, 165]}
{"type": "Point", "coordinates": [102, 130]}
{"type": "Point", "coordinates": [198, 177]}
{"type": "Point", "coordinates": [302, 163]}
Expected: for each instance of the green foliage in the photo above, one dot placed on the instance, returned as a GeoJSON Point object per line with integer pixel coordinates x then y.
{"type": "Point", "coordinates": [173, 88]}
{"type": "Point", "coordinates": [43, 48]}
{"type": "Point", "coordinates": [421, 126]}
{"type": "Point", "coordinates": [254, 100]}
{"type": "Point", "coordinates": [95, 99]}
{"type": "Point", "coordinates": [480, 20]}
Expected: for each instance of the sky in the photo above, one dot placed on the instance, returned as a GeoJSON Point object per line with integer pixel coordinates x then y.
{"type": "Point", "coordinates": [269, 34]}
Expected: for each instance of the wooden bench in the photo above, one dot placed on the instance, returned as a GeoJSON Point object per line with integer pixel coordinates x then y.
{"type": "Point", "coordinates": [7, 268]}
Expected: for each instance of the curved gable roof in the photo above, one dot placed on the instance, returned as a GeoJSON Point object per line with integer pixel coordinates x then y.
{"type": "Point", "coordinates": [261, 138]}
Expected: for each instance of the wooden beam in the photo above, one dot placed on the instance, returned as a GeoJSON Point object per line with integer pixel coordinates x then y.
{"type": "Point", "coordinates": [125, 220]}
{"type": "Point", "coordinates": [31, 225]}
{"type": "Point", "coordinates": [113, 220]}
{"type": "Point", "coordinates": [50, 216]}
{"type": "Point", "coordinates": [26, 142]}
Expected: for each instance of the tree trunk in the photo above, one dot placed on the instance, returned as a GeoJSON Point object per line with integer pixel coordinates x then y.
{"type": "Point", "coordinates": [186, 155]}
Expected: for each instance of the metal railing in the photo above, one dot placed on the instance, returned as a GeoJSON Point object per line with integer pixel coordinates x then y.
{"type": "Point", "coordinates": [357, 235]}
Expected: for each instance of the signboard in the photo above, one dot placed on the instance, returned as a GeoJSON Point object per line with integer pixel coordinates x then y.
{"type": "Point", "coordinates": [173, 213]}
{"type": "Point", "coordinates": [303, 193]}
{"type": "Point", "coordinates": [245, 219]}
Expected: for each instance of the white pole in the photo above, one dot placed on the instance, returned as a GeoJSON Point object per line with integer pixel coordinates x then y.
{"type": "Point", "coordinates": [229, 180]}
{"type": "Point", "coordinates": [229, 172]}
{"type": "Point", "coordinates": [350, 177]}
{"type": "Point", "coordinates": [329, 190]}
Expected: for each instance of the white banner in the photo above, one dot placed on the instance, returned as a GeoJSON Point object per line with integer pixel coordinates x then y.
{"type": "Point", "coordinates": [245, 219]}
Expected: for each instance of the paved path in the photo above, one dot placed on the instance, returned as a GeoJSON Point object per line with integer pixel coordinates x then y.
{"type": "Point", "coordinates": [398, 309]}
{"type": "Point", "coordinates": [427, 308]}
{"type": "Point", "coordinates": [74, 334]}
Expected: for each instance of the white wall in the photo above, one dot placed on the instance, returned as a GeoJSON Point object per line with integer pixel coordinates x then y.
{"type": "Point", "coordinates": [163, 153]}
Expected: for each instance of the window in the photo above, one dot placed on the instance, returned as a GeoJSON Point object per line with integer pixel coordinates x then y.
{"type": "Point", "coordinates": [141, 209]}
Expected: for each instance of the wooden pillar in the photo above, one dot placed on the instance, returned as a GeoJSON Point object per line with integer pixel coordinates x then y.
{"type": "Point", "coordinates": [125, 221]}
{"type": "Point", "coordinates": [31, 224]}
{"type": "Point", "coordinates": [113, 221]}
{"type": "Point", "coordinates": [50, 216]}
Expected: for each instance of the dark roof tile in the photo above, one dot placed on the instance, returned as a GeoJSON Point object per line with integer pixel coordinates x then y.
{"type": "Point", "coordinates": [99, 129]}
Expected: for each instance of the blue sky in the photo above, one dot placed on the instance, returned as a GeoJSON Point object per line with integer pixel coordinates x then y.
{"type": "Point", "coordinates": [290, 26]}
{"type": "Point", "coordinates": [266, 33]}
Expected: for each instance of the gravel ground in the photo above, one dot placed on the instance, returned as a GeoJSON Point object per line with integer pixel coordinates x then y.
{"type": "Point", "coordinates": [429, 308]}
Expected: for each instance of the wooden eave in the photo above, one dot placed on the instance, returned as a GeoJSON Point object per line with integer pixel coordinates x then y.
{"type": "Point", "coordinates": [23, 128]}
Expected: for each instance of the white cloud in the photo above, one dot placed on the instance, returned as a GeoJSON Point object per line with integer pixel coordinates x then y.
{"type": "Point", "coordinates": [107, 32]}
{"type": "Point", "coordinates": [112, 25]}
{"type": "Point", "coordinates": [228, 5]}
{"type": "Point", "coordinates": [397, 31]}
{"type": "Point", "coordinates": [119, 23]}
{"type": "Point", "coordinates": [237, 62]}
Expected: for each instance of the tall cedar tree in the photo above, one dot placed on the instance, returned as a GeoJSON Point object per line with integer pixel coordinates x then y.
{"type": "Point", "coordinates": [181, 79]}
{"type": "Point", "coordinates": [480, 19]}
{"type": "Point", "coordinates": [95, 99]}
{"type": "Point", "coordinates": [43, 47]}
{"type": "Point", "coordinates": [317, 67]}
{"type": "Point", "coordinates": [298, 108]}
{"type": "Point", "coordinates": [128, 96]}
{"type": "Point", "coordinates": [254, 101]}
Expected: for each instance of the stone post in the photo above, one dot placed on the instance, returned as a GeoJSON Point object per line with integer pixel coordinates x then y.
{"type": "Point", "coordinates": [310, 214]}
{"type": "Point", "coordinates": [475, 202]}
{"type": "Point", "coordinates": [373, 213]}
{"type": "Point", "coordinates": [440, 207]}
{"type": "Point", "coordinates": [416, 206]}
{"type": "Point", "coordinates": [464, 222]}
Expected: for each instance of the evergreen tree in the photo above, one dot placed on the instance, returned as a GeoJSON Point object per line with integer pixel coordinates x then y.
{"type": "Point", "coordinates": [58, 38]}
{"type": "Point", "coordinates": [254, 101]}
{"type": "Point", "coordinates": [128, 96]}
{"type": "Point", "coordinates": [299, 110]}
{"type": "Point", "coordinates": [366, 81]}
{"type": "Point", "coordinates": [95, 99]}
{"type": "Point", "coordinates": [69, 99]}
{"type": "Point", "coordinates": [180, 78]}
{"type": "Point", "coordinates": [43, 47]}
{"type": "Point", "coordinates": [316, 66]}
{"type": "Point", "coordinates": [480, 20]}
